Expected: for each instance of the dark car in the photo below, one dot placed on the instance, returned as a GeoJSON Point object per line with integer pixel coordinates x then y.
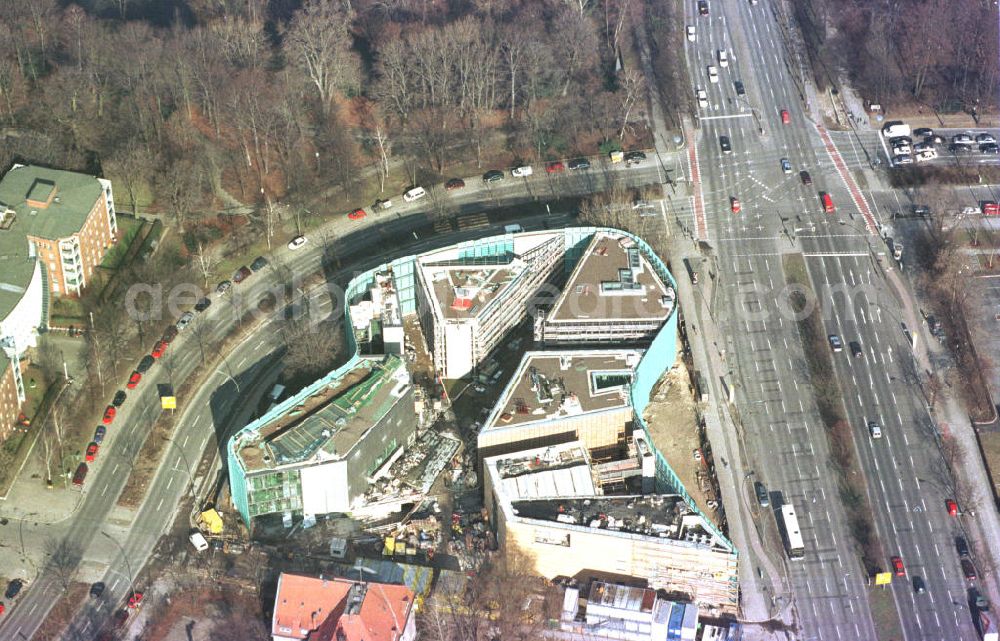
{"type": "Point", "coordinates": [81, 474]}
{"type": "Point", "coordinates": [634, 157]}
{"type": "Point", "coordinates": [97, 589]}
{"type": "Point", "coordinates": [934, 140]}
{"type": "Point", "coordinates": [856, 349]}
{"type": "Point", "coordinates": [918, 585]}
{"type": "Point", "coordinates": [961, 546]}
{"type": "Point", "coordinates": [242, 274]}
{"type": "Point", "coordinates": [725, 145]}
{"type": "Point", "coordinates": [923, 131]}
{"type": "Point", "coordinates": [99, 434]}
{"type": "Point", "coordinates": [120, 619]}
{"type": "Point", "coordinates": [740, 89]}
{"type": "Point", "coordinates": [258, 263]}
{"type": "Point", "coordinates": [959, 149]}
{"type": "Point", "coordinates": [455, 183]}
{"type": "Point", "coordinates": [202, 304]}
{"type": "Point", "coordinates": [493, 176]}
{"type": "Point", "coordinates": [761, 492]}
{"type": "Point", "coordinates": [989, 148]}
{"type": "Point", "coordinates": [119, 398]}
{"type": "Point", "coordinates": [968, 570]}
{"type": "Point", "coordinates": [13, 589]}
{"type": "Point", "coordinates": [169, 334]}
{"type": "Point", "coordinates": [806, 178]}
{"type": "Point", "coordinates": [579, 163]}
{"type": "Point", "coordinates": [703, 7]}
{"type": "Point", "coordinates": [144, 365]}
{"type": "Point", "coordinates": [921, 210]}
{"type": "Point", "coordinates": [223, 287]}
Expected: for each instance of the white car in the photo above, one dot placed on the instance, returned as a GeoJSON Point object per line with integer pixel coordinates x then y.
{"type": "Point", "coordinates": [184, 320]}
{"type": "Point", "coordinates": [523, 170]}
{"type": "Point", "coordinates": [902, 149]}
{"type": "Point", "coordinates": [690, 33]}
{"type": "Point", "coordinates": [713, 74]}
{"type": "Point", "coordinates": [414, 194]}
{"type": "Point", "coordinates": [702, 97]}
{"type": "Point", "coordinates": [297, 242]}
{"type": "Point", "coordinates": [926, 154]}
{"type": "Point", "coordinates": [723, 58]}
{"type": "Point", "coordinates": [902, 159]}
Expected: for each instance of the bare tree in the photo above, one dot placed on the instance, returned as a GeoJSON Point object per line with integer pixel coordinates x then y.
{"type": "Point", "coordinates": [205, 262]}
{"type": "Point", "coordinates": [313, 348]}
{"type": "Point", "coordinates": [64, 555]}
{"type": "Point", "coordinates": [318, 41]}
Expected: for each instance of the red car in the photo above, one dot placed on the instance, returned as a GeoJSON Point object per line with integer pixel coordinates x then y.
{"type": "Point", "coordinates": [91, 452]}
{"type": "Point", "coordinates": [453, 184]}
{"type": "Point", "coordinates": [357, 214]}
{"type": "Point", "coordinates": [991, 209]}
{"type": "Point", "coordinates": [897, 566]}
{"type": "Point", "coordinates": [952, 507]}
{"type": "Point", "coordinates": [158, 349]}
{"type": "Point", "coordinates": [785, 118]}
{"type": "Point", "coordinates": [109, 414]}
{"type": "Point", "coordinates": [133, 380]}
{"type": "Point", "coordinates": [734, 204]}
{"type": "Point", "coordinates": [135, 600]}
{"type": "Point", "coordinates": [555, 167]}
{"type": "Point", "coordinates": [1, 608]}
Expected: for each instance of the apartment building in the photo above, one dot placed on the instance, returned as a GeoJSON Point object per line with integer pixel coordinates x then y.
{"type": "Point", "coordinates": [64, 219]}
{"type": "Point", "coordinates": [603, 610]}
{"type": "Point", "coordinates": [334, 609]}
{"type": "Point", "coordinates": [318, 451]}
{"type": "Point", "coordinates": [11, 395]}
{"type": "Point", "coordinates": [613, 297]}
{"type": "Point", "coordinates": [469, 296]}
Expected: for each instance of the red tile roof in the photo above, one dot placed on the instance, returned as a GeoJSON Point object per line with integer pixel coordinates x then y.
{"type": "Point", "coordinates": [339, 610]}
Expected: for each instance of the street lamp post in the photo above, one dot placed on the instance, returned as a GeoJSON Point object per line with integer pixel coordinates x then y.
{"type": "Point", "coordinates": [187, 463]}
{"type": "Point", "coordinates": [128, 566]}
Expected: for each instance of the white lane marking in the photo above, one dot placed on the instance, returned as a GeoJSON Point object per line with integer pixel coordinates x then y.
{"type": "Point", "coordinates": [159, 505]}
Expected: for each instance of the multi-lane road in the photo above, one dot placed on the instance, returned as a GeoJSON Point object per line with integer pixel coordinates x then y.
{"type": "Point", "coordinates": [784, 435]}
{"type": "Point", "coordinates": [120, 545]}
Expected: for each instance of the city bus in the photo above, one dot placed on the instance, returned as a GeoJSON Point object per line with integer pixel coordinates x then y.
{"type": "Point", "coordinates": [793, 536]}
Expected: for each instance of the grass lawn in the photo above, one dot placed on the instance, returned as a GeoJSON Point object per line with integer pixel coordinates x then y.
{"type": "Point", "coordinates": [884, 614]}
{"type": "Point", "coordinates": [128, 228]}
{"type": "Point", "coordinates": [67, 307]}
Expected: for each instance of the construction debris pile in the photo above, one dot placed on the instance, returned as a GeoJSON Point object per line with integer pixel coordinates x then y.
{"type": "Point", "coordinates": [471, 539]}
{"type": "Point", "coordinates": [416, 470]}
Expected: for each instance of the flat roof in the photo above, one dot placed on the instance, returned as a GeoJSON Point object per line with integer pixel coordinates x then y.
{"type": "Point", "coordinates": [74, 196]}
{"type": "Point", "coordinates": [562, 383]}
{"type": "Point", "coordinates": [329, 422]}
{"type": "Point", "coordinates": [461, 292]}
{"type": "Point", "coordinates": [554, 471]}
{"type": "Point", "coordinates": [613, 280]}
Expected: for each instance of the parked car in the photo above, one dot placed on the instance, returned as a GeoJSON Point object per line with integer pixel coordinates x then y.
{"type": "Point", "coordinates": [169, 334]}
{"type": "Point", "coordinates": [968, 569]}
{"type": "Point", "coordinates": [414, 193]}
{"type": "Point", "coordinates": [81, 474]}
{"type": "Point", "coordinates": [224, 286]}
{"type": "Point", "coordinates": [99, 434]}
{"type": "Point", "coordinates": [258, 263]}
{"type": "Point", "coordinates": [144, 364]}
{"type": "Point", "coordinates": [357, 214]}
{"type": "Point", "coordinates": [13, 589]}
{"type": "Point", "coordinates": [962, 139]}
{"type": "Point", "coordinates": [184, 320]}
{"type": "Point", "coordinates": [493, 176]}
{"type": "Point", "coordinates": [634, 157]}
{"type": "Point", "coordinates": [985, 137]}
{"type": "Point", "coordinates": [923, 131]}
{"type": "Point", "coordinates": [934, 140]}
{"type": "Point", "coordinates": [762, 497]}
{"type": "Point", "coordinates": [297, 242]}
{"type": "Point", "coordinates": [97, 589]}
{"type": "Point", "coordinates": [135, 599]}
{"type": "Point", "coordinates": [952, 507]}
{"type": "Point", "coordinates": [902, 159]}
{"type": "Point", "coordinates": [961, 546]}
{"type": "Point", "coordinates": [522, 172]}
{"type": "Point", "coordinates": [579, 163]}
{"type": "Point", "coordinates": [109, 414]}
{"type": "Point", "coordinates": [203, 304]}
{"type": "Point", "coordinates": [241, 274]}
{"type": "Point", "coordinates": [133, 380]}
{"type": "Point", "coordinates": [805, 177]}
{"type": "Point", "coordinates": [91, 452]}
{"type": "Point", "coordinates": [835, 343]}
{"type": "Point", "coordinates": [989, 148]}
{"type": "Point", "coordinates": [555, 167]}
{"type": "Point", "coordinates": [119, 398]}
{"type": "Point", "coordinates": [382, 203]}
{"type": "Point", "coordinates": [159, 349]}
{"type": "Point", "coordinates": [120, 619]}
{"type": "Point", "coordinates": [453, 184]}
